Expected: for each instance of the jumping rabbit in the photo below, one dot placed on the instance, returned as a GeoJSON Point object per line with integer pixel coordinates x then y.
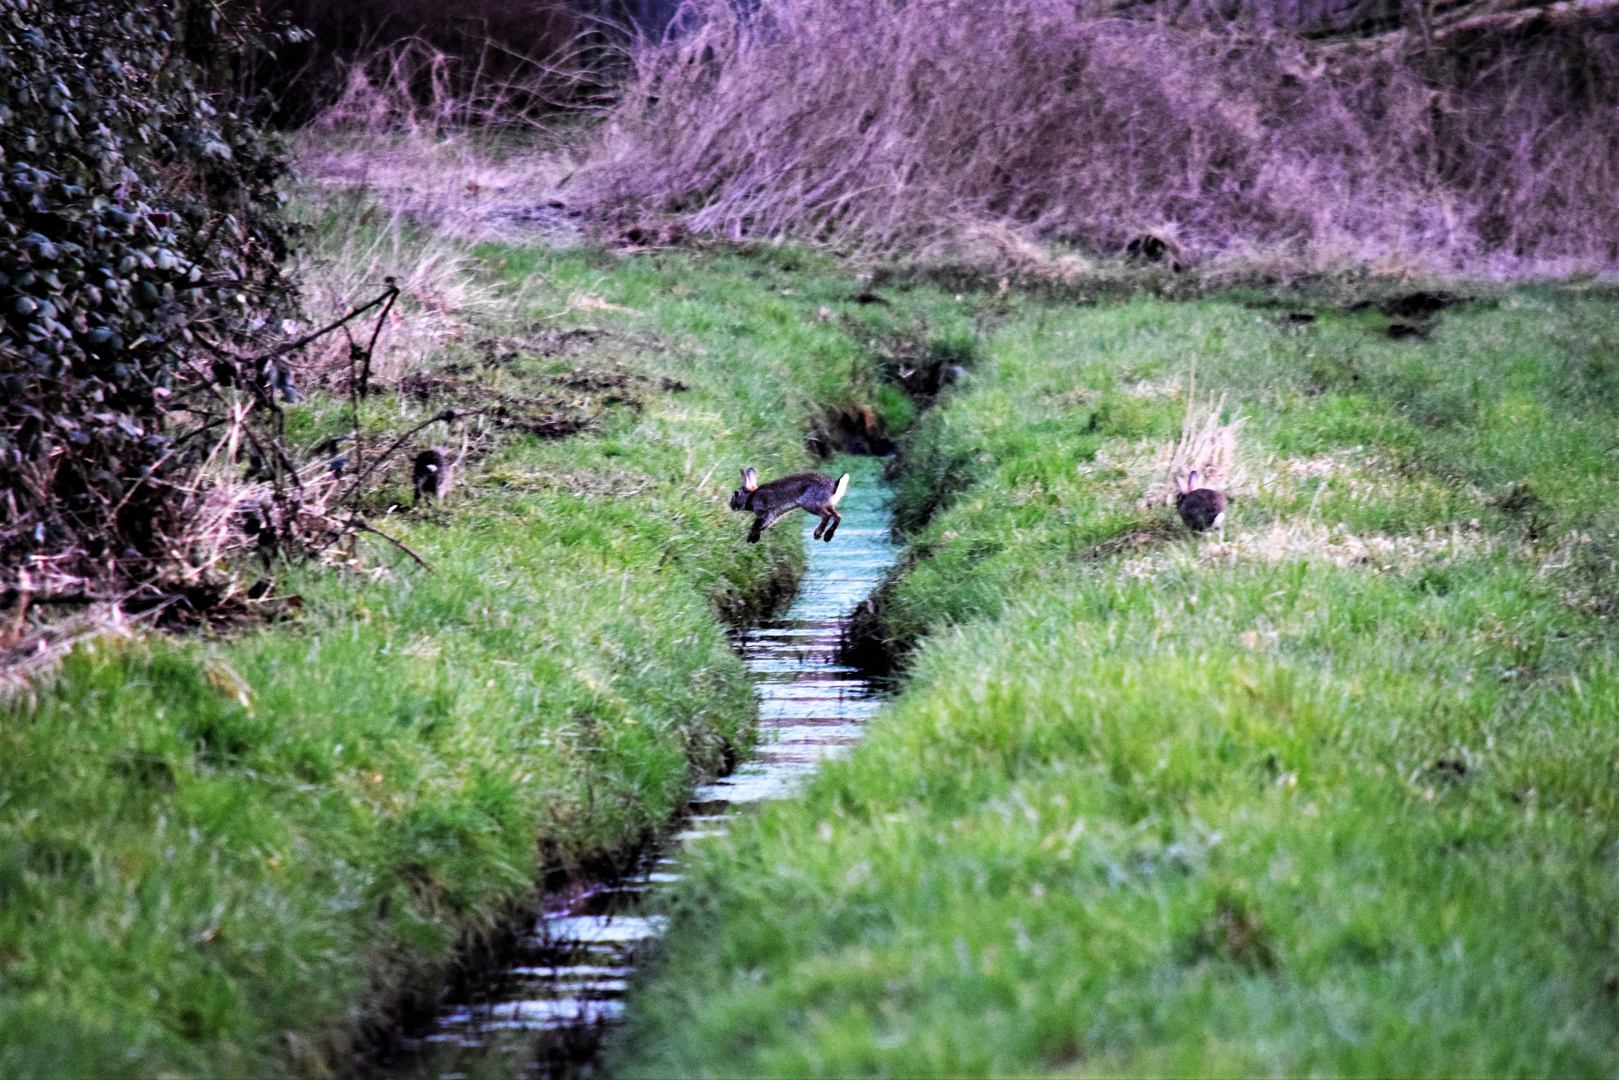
{"type": "Point", "coordinates": [1200, 508]}
{"type": "Point", "coordinates": [813, 492]}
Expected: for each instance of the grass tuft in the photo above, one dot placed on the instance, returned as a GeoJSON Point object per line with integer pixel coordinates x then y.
{"type": "Point", "coordinates": [1206, 454]}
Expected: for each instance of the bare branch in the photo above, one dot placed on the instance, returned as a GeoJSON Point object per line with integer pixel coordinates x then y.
{"type": "Point", "coordinates": [446, 416]}
{"type": "Point", "coordinates": [361, 525]}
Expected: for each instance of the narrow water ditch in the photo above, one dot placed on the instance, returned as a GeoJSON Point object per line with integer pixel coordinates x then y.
{"type": "Point", "coordinates": [544, 1012]}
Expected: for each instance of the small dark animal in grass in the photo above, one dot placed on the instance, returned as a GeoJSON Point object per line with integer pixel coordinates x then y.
{"type": "Point", "coordinates": [1157, 249]}
{"type": "Point", "coordinates": [813, 492]}
{"type": "Point", "coordinates": [1404, 331]}
{"type": "Point", "coordinates": [1201, 508]}
{"type": "Point", "coordinates": [1419, 305]}
{"type": "Point", "coordinates": [430, 475]}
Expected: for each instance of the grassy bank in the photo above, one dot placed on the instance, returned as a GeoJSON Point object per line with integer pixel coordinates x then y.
{"type": "Point", "coordinates": [1333, 792]}
{"type": "Point", "coordinates": [235, 853]}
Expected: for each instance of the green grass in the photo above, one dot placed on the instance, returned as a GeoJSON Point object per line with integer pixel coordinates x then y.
{"type": "Point", "coordinates": [232, 854]}
{"type": "Point", "coordinates": [1337, 793]}
{"type": "Point", "coordinates": [1333, 793]}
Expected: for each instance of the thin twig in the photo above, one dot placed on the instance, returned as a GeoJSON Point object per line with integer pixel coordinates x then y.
{"type": "Point", "coordinates": [364, 526]}
{"type": "Point", "coordinates": [354, 404]}
{"type": "Point", "coordinates": [446, 416]}
{"type": "Point", "coordinates": [358, 388]}
{"type": "Point", "coordinates": [10, 596]}
{"type": "Point", "coordinates": [188, 436]}
{"type": "Point", "coordinates": [151, 474]}
{"type": "Point", "coordinates": [390, 295]}
{"type": "Point", "coordinates": [365, 372]}
{"type": "Point", "coordinates": [455, 470]}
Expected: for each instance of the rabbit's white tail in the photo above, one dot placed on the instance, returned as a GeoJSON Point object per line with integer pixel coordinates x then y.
{"type": "Point", "coordinates": [837, 493]}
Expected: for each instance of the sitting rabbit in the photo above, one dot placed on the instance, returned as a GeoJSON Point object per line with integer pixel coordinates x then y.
{"type": "Point", "coordinates": [430, 475]}
{"type": "Point", "coordinates": [1200, 508]}
{"type": "Point", "coordinates": [812, 492]}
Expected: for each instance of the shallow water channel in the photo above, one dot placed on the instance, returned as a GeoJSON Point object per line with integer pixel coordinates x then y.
{"type": "Point", "coordinates": [545, 1013]}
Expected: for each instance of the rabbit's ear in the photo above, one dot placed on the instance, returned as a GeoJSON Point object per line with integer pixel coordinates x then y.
{"type": "Point", "coordinates": [1191, 481]}
{"type": "Point", "coordinates": [1180, 483]}
{"type": "Point", "coordinates": [750, 479]}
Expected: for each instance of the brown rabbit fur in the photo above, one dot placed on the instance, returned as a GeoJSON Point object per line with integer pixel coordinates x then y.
{"type": "Point", "coordinates": [1199, 508]}
{"type": "Point", "coordinates": [813, 492]}
{"type": "Point", "coordinates": [430, 475]}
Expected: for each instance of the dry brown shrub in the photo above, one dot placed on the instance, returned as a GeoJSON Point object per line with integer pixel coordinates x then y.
{"type": "Point", "coordinates": [515, 58]}
{"type": "Point", "coordinates": [467, 164]}
{"type": "Point", "coordinates": [412, 85]}
{"type": "Point", "coordinates": [348, 263]}
{"type": "Point", "coordinates": [407, 181]}
{"type": "Point", "coordinates": [1484, 147]}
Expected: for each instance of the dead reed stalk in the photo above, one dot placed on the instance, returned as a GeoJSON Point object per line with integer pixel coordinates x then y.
{"type": "Point", "coordinates": [442, 157]}
{"type": "Point", "coordinates": [411, 86]}
{"type": "Point", "coordinates": [1207, 448]}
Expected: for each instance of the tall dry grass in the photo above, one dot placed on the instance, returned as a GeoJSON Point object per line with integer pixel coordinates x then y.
{"type": "Point", "coordinates": [357, 244]}
{"type": "Point", "coordinates": [465, 162]}
{"type": "Point", "coordinates": [1489, 146]}
{"type": "Point", "coordinates": [527, 52]}
{"type": "Point", "coordinates": [1206, 454]}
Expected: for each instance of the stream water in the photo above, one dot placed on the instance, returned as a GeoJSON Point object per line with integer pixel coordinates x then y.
{"type": "Point", "coordinates": [545, 1013]}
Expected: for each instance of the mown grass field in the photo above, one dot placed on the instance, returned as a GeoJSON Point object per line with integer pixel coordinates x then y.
{"type": "Point", "coordinates": [1334, 792]}
{"type": "Point", "coordinates": [236, 853]}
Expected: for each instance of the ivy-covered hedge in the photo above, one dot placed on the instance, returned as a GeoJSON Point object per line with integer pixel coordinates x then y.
{"type": "Point", "coordinates": [139, 261]}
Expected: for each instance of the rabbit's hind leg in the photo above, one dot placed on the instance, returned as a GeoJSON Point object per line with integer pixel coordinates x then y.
{"type": "Point", "coordinates": [761, 522]}
{"type": "Point", "coordinates": [836, 519]}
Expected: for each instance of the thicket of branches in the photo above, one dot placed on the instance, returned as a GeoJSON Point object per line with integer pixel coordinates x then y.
{"type": "Point", "coordinates": [139, 270]}
{"type": "Point", "coordinates": [1480, 145]}
{"type": "Point", "coordinates": [492, 61]}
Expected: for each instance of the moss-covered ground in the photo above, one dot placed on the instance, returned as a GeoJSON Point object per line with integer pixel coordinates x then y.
{"type": "Point", "coordinates": [1333, 792]}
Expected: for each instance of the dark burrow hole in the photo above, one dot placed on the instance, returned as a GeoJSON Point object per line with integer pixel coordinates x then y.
{"type": "Point", "coordinates": [850, 429]}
